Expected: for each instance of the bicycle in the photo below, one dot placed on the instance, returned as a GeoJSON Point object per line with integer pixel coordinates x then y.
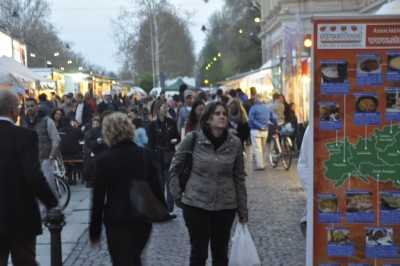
{"type": "Point", "coordinates": [281, 148]}
{"type": "Point", "coordinates": [63, 190]}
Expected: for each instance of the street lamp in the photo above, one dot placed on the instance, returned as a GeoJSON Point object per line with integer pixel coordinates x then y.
{"type": "Point", "coordinates": [46, 63]}
{"type": "Point", "coordinates": [308, 41]}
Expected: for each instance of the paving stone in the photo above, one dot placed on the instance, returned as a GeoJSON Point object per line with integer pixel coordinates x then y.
{"type": "Point", "coordinates": [276, 202]}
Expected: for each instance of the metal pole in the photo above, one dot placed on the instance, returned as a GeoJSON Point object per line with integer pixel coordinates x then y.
{"type": "Point", "coordinates": [55, 222]}
{"type": "Point", "coordinates": [152, 47]}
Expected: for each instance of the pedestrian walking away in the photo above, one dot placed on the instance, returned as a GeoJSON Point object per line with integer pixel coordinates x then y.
{"type": "Point", "coordinates": [114, 171]}
{"type": "Point", "coordinates": [260, 116]}
{"type": "Point", "coordinates": [21, 183]}
{"type": "Point", "coordinates": [216, 189]}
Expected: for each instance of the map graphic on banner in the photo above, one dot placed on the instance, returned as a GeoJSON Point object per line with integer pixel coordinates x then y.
{"type": "Point", "coordinates": [377, 156]}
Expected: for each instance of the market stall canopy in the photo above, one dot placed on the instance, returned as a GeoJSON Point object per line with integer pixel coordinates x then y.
{"type": "Point", "coordinates": [14, 82]}
{"type": "Point", "coordinates": [175, 86]}
{"type": "Point", "coordinates": [389, 8]}
{"type": "Point", "coordinates": [137, 90]}
{"type": "Point", "coordinates": [15, 68]}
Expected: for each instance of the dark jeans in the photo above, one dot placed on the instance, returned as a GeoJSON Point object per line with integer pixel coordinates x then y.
{"type": "Point", "coordinates": [163, 175]}
{"type": "Point", "coordinates": [22, 248]}
{"type": "Point", "coordinates": [88, 168]}
{"type": "Point", "coordinates": [206, 227]}
{"type": "Point", "coordinates": [126, 243]}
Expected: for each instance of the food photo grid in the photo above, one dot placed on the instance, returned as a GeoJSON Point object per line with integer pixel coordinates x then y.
{"type": "Point", "coordinates": [356, 142]}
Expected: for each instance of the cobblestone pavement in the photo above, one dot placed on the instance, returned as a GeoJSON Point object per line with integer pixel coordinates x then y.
{"type": "Point", "coordinates": [276, 202]}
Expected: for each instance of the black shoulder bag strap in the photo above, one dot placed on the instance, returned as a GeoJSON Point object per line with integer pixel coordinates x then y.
{"type": "Point", "coordinates": [193, 141]}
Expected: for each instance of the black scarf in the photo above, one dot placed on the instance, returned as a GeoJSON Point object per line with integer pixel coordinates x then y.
{"type": "Point", "coordinates": [216, 141]}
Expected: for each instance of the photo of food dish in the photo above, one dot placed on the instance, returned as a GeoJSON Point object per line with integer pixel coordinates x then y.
{"type": "Point", "coordinates": [334, 72]}
{"type": "Point", "coordinates": [371, 65]}
{"type": "Point", "coordinates": [393, 101]}
{"type": "Point", "coordinates": [329, 112]}
{"type": "Point", "coordinates": [379, 236]}
{"type": "Point", "coordinates": [338, 236]}
{"type": "Point", "coordinates": [359, 203]}
{"type": "Point", "coordinates": [367, 104]}
{"type": "Point", "coordinates": [390, 202]}
{"type": "Point", "coordinates": [394, 62]}
{"type": "Point", "coordinates": [327, 204]}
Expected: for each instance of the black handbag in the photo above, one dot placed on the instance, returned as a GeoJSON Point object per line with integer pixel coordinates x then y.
{"type": "Point", "coordinates": [186, 167]}
{"type": "Point", "coordinates": [144, 204]}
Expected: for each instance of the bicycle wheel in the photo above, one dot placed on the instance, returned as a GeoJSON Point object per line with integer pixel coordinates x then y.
{"type": "Point", "coordinates": [273, 153]}
{"type": "Point", "coordinates": [286, 153]}
{"type": "Point", "coordinates": [63, 192]}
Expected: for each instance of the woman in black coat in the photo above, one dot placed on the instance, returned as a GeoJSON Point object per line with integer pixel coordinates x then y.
{"type": "Point", "coordinates": [163, 135]}
{"type": "Point", "coordinates": [114, 170]}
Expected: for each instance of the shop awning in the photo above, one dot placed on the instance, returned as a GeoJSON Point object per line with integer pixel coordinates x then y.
{"type": "Point", "coordinates": [175, 86]}
{"type": "Point", "coordinates": [13, 67]}
{"type": "Point", "coordinates": [13, 81]}
{"type": "Point", "coordinates": [389, 8]}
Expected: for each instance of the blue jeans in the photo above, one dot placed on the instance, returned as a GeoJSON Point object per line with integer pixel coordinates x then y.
{"type": "Point", "coordinates": [48, 171]}
{"type": "Point", "coordinates": [163, 175]}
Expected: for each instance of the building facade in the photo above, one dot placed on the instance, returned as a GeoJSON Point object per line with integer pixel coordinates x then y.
{"type": "Point", "coordinates": [284, 26]}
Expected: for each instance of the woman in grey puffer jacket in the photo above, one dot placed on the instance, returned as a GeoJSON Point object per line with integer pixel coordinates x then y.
{"type": "Point", "coordinates": [216, 188]}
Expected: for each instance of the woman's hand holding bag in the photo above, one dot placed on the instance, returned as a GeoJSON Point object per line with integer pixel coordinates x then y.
{"type": "Point", "coordinates": [243, 251]}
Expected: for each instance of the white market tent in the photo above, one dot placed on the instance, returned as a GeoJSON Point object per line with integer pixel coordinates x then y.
{"type": "Point", "coordinates": [14, 67]}
{"type": "Point", "coordinates": [13, 81]}
{"type": "Point", "coordinates": [392, 7]}
{"type": "Point", "coordinates": [18, 77]}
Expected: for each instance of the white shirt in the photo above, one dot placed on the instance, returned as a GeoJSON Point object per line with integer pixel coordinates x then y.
{"type": "Point", "coordinates": [303, 166]}
{"type": "Point", "coordinates": [78, 114]}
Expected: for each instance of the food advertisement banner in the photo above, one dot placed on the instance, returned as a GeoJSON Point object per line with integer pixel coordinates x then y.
{"type": "Point", "coordinates": [356, 189]}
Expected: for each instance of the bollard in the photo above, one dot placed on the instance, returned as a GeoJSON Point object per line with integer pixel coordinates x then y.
{"type": "Point", "coordinates": [55, 222]}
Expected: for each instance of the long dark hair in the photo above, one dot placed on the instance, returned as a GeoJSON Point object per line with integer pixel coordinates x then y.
{"type": "Point", "coordinates": [192, 115]}
{"type": "Point", "coordinates": [55, 111]}
{"type": "Point", "coordinates": [208, 112]}
{"type": "Point", "coordinates": [60, 123]}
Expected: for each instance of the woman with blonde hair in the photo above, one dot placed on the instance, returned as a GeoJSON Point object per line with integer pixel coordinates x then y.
{"type": "Point", "coordinates": [114, 171]}
{"type": "Point", "coordinates": [238, 122]}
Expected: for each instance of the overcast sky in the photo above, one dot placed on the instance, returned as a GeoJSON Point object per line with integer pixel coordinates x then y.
{"type": "Point", "coordinates": [86, 25]}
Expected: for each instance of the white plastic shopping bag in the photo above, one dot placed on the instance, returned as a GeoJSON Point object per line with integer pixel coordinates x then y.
{"type": "Point", "coordinates": [243, 251]}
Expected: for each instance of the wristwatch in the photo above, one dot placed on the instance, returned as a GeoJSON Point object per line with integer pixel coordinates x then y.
{"type": "Point", "coordinates": [51, 158]}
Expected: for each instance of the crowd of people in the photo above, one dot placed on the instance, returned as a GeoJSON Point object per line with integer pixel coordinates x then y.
{"type": "Point", "coordinates": [109, 137]}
